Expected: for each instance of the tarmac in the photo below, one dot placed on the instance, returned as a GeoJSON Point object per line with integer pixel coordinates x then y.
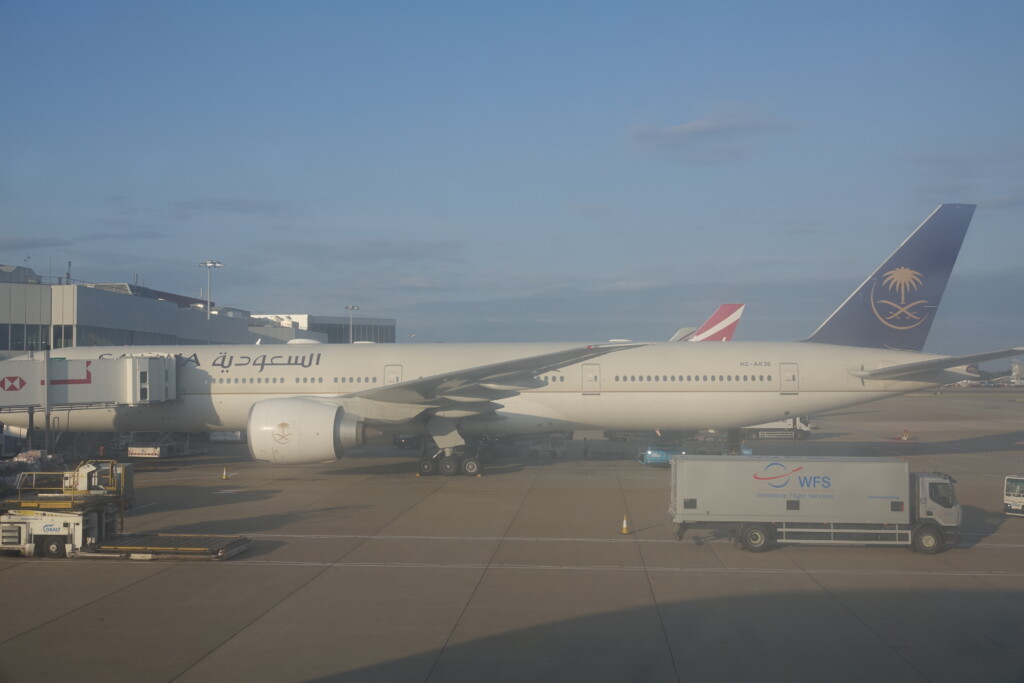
{"type": "Point", "coordinates": [363, 571]}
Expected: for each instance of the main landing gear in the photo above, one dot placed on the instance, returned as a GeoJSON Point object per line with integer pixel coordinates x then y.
{"type": "Point", "coordinates": [451, 461]}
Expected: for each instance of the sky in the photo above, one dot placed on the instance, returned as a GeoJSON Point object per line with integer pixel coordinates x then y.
{"type": "Point", "coordinates": [553, 171]}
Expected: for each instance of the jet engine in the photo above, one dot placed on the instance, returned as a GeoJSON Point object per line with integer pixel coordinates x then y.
{"type": "Point", "coordinates": [295, 431]}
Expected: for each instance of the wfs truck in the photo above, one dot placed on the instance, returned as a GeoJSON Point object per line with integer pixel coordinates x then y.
{"type": "Point", "coordinates": [764, 500]}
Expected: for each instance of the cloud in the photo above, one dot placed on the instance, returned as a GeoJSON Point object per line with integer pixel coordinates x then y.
{"type": "Point", "coordinates": [14, 243]}
{"type": "Point", "coordinates": [33, 242]}
{"type": "Point", "coordinates": [121, 235]}
{"type": "Point", "coordinates": [626, 287]}
{"type": "Point", "coordinates": [371, 252]}
{"type": "Point", "coordinates": [1012, 200]}
{"type": "Point", "coordinates": [969, 161]}
{"type": "Point", "coordinates": [186, 210]}
{"type": "Point", "coordinates": [973, 173]}
{"type": "Point", "coordinates": [589, 210]}
{"type": "Point", "coordinates": [722, 137]}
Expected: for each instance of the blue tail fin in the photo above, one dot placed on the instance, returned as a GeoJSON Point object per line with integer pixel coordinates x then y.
{"type": "Point", "coordinates": [894, 308]}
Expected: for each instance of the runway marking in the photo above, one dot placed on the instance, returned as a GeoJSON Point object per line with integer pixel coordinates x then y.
{"type": "Point", "coordinates": [527, 539]}
{"type": "Point", "coordinates": [628, 568]}
{"type": "Point", "coordinates": [460, 538]}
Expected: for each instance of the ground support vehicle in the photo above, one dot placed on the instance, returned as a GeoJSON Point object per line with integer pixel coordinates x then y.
{"type": "Point", "coordinates": [79, 514]}
{"type": "Point", "coordinates": [1013, 495]}
{"type": "Point", "coordinates": [659, 451]}
{"type": "Point", "coordinates": [162, 444]}
{"type": "Point", "coordinates": [542, 446]}
{"type": "Point", "coordinates": [792, 428]}
{"type": "Point", "coordinates": [764, 500]}
{"type": "Point", "coordinates": [88, 528]}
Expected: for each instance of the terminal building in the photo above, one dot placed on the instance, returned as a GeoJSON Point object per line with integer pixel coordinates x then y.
{"type": "Point", "coordinates": [65, 313]}
{"type": "Point", "coordinates": [333, 329]}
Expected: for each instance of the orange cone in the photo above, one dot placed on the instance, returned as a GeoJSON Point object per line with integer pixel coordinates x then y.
{"type": "Point", "coordinates": [625, 525]}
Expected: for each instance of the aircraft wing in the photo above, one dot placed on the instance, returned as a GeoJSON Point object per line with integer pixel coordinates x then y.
{"type": "Point", "coordinates": [484, 383]}
{"type": "Point", "coordinates": [906, 369]}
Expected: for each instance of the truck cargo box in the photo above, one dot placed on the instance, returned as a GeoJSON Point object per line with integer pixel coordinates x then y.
{"type": "Point", "coordinates": [772, 489]}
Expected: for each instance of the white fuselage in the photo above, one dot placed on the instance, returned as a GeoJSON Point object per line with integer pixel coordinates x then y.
{"type": "Point", "coordinates": [669, 386]}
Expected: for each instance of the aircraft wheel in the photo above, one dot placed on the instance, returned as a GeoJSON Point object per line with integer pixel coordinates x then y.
{"type": "Point", "coordinates": [471, 467]}
{"type": "Point", "coordinates": [450, 465]}
{"type": "Point", "coordinates": [428, 466]}
{"type": "Point", "coordinates": [54, 547]}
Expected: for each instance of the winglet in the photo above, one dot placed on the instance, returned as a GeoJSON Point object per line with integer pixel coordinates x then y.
{"type": "Point", "coordinates": [895, 307]}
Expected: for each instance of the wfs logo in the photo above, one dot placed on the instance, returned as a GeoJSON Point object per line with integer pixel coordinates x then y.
{"type": "Point", "coordinates": [899, 315]}
{"type": "Point", "coordinates": [778, 475]}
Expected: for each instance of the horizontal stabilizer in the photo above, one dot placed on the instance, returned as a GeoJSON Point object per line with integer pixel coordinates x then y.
{"type": "Point", "coordinates": [683, 334]}
{"type": "Point", "coordinates": [907, 369]}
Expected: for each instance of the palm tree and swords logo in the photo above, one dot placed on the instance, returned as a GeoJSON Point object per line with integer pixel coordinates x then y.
{"type": "Point", "coordinates": [899, 315]}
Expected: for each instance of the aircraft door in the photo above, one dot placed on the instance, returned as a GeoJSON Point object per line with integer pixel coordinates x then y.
{"type": "Point", "coordinates": [392, 374]}
{"type": "Point", "coordinates": [591, 379]}
{"type": "Point", "coordinates": [789, 377]}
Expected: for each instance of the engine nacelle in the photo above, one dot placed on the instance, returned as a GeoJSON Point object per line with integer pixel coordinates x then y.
{"type": "Point", "coordinates": [295, 431]}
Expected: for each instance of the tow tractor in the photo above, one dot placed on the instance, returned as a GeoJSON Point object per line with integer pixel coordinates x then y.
{"type": "Point", "coordinates": [80, 514]}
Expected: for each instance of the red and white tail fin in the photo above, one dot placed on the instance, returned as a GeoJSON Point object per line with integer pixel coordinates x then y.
{"type": "Point", "coordinates": [720, 326]}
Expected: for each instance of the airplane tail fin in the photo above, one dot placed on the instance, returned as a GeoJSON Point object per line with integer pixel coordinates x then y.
{"type": "Point", "coordinates": [894, 308]}
{"type": "Point", "coordinates": [720, 326]}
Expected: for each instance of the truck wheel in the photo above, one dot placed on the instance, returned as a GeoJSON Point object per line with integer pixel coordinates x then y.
{"type": "Point", "coordinates": [428, 466]}
{"type": "Point", "coordinates": [471, 467]}
{"type": "Point", "coordinates": [54, 547]}
{"type": "Point", "coordinates": [800, 435]}
{"type": "Point", "coordinates": [756, 537]}
{"type": "Point", "coordinates": [928, 540]}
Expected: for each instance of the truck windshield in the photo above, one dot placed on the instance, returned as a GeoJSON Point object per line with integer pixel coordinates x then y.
{"type": "Point", "coordinates": [1014, 487]}
{"type": "Point", "coordinates": [942, 493]}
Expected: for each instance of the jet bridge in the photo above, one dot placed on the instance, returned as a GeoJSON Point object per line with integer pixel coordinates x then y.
{"type": "Point", "coordinates": [39, 383]}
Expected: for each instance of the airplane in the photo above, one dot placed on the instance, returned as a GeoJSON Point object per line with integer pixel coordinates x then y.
{"type": "Point", "coordinates": [309, 404]}
{"type": "Point", "coordinates": [721, 326]}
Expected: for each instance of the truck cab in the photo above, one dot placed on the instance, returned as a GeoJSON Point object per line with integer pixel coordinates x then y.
{"type": "Point", "coordinates": [1013, 495]}
{"type": "Point", "coordinates": [937, 501]}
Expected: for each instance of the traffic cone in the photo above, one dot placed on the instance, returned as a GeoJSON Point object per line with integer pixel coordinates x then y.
{"type": "Point", "coordinates": [625, 525]}
{"type": "Point", "coordinates": [225, 475]}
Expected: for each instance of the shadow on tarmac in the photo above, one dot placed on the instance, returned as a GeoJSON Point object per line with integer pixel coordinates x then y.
{"type": "Point", "coordinates": [260, 523]}
{"type": "Point", "coordinates": [173, 497]}
{"type": "Point", "coordinates": [978, 524]}
{"type": "Point", "coordinates": [920, 634]}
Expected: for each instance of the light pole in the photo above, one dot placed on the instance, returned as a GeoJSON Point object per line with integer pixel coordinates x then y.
{"type": "Point", "coordinates": [350, 308]}
{"type": "Point", "coordinates": [209, 265]}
